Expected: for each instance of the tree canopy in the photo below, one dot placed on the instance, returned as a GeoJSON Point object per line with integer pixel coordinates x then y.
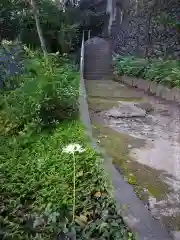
{"type": "Point", "coordinates": [62, 22]}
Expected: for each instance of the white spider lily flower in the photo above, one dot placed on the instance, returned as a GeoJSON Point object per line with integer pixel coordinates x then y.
{"type": "Point", "coordinates": [72, 148]}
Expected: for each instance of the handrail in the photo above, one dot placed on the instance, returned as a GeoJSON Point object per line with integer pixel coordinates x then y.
{"type": "Point", "coordinates": [82, 53]}
{"type": "Point", "coordinates": [82, 57]}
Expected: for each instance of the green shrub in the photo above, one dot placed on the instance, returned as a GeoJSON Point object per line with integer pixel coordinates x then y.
{"type": "Point", "coordinates": [36, 176]}
{"type": "Point", "coordinates": [131, 66]}
{"type": "Point", "coordinates": [37, 181]}
{"type": "Point", "coordinates": [165, 72]}
{"type": "Point", "coordinates": [158, 70]}
{"type": "Point", "coordinates": [36, 190]}
{"type": "Point", "coordinates": [47, 93]}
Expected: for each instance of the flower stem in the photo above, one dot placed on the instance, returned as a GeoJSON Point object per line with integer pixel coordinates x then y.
{"type": "Point", "coordinates": [74, 187]}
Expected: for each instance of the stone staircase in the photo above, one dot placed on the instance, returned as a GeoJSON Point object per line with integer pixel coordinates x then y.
{"type": "Point", "coordinates": [97, 59]}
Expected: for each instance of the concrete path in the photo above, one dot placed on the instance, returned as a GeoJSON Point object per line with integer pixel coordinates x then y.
{"type": "Point", "coordinates": [141, 134]}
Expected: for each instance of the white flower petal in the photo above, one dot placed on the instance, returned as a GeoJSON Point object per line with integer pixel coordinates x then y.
{"type": "Point", "coordinates": [72, 148]}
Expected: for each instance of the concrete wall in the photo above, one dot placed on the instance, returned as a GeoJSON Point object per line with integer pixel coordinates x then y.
{"type": "Point", "coordinates": [158, 90]}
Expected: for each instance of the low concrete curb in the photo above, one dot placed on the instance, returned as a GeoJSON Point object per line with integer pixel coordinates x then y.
{"type": "Point", "coordinates": [156, 89]}
{"type": "Point", "coordinates": [133, 211]}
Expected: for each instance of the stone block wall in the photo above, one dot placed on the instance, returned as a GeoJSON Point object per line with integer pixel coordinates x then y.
{"type": "Point", "coordinates": [11, 63]}
{"type": "Point", "coordinates": [148, 28]}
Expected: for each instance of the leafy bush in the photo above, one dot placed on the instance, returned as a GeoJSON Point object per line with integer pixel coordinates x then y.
{"type": "Point", "coordinates": [130, 66]}
{"type": "Point", "coordinates": [46, 93]}
{"type": "Point", "coordinates": [158, 70]}
{"type": "Point", "coordinates": [36, 175]}
{"type": "Point", "coordinates": [165, 72]}
{"type": "Point", "coordinates": [60, 28]}
{"type": "Point", "coordinates": [36, 190]}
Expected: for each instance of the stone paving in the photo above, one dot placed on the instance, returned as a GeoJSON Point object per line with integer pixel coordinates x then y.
{"type": "Point", "coordinates": [155, 162]}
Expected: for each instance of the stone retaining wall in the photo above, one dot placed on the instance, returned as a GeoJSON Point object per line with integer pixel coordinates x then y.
{"type": "Point", "coordinates": [147, 28]}
{"type": "Point", "coordinates": [156, 89]}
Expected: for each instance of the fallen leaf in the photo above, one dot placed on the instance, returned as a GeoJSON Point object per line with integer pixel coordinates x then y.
{"type": "Point", "coordinates": [81, 220]}
{"type": "Point", "coordinates": [98, 194]}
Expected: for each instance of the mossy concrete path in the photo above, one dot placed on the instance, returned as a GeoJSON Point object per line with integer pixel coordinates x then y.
{"type": "Point", "coordinates": [141, 134]}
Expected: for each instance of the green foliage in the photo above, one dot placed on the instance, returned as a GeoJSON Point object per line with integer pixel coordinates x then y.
{"type": "Point", "coordinates": [38, 118]}
{"type": "Point", "coordinates": [46, 93]}
{"type": "Point", "coordinates": [168, 20]}
{"type": "Point", "coordinates": [60, 29]}
{"type": "Point", "coordinates": [36, 176]}
{"type": "Point", "coordinates": [10, 18]}
{"type": "Point", "coordinates": [166, 72]}
{"type": "Point", "coordinates": [37, 188]}
{"type": "Point", "coordinates": [130, 65]}
{"type": "Point", "coordinates": [161, 71]}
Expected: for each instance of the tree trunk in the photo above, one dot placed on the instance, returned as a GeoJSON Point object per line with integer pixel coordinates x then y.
{"type": "Point", "coordinates": [38, 26]}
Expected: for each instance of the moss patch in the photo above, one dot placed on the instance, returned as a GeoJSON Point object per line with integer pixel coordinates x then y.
{"type": "Point", "coordinates": [115, 143]}
{"type": "Point", "coordinates": [111, 90]}
{"type": "Point", "coordinates": [137, 174]}
{"type": "Point", "coordinates": [98, 104]}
